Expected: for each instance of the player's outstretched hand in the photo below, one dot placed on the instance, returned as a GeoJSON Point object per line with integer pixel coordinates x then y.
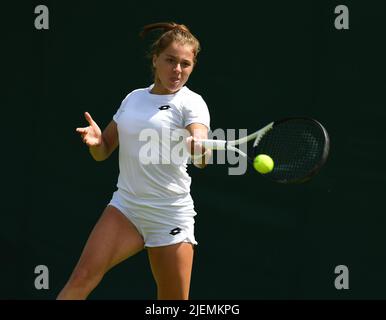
{"type": "Point", "coordinates": [91, 135]}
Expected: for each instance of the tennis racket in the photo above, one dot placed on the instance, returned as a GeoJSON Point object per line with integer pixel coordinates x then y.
{"type": "Point", "coordinates": [298, 146]}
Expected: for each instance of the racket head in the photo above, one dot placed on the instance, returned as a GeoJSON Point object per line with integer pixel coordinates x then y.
{"type": "Point", "coordinates": [299, 147]}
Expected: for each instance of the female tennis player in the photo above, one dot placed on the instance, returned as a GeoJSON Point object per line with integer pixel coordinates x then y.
{"type": "Point", "coordinates": [152, 207]}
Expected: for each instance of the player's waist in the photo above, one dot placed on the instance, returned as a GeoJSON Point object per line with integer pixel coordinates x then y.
{"type": "Point", "coordinates": [161, 196]}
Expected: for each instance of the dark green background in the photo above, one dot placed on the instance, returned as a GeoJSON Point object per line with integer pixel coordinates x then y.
{"type": "Point", "coordinates": [260, 61]}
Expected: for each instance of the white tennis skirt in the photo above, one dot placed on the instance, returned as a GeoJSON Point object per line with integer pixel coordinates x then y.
{"type": "Point", "coordinates": [160, 221]}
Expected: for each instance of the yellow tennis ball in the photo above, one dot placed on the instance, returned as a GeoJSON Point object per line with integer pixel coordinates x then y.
{"type": "Point", "coordinates": [263, 163]}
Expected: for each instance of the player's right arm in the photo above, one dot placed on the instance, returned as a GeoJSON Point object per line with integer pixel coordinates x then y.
{"type": "Point", "coordinates": [101, 145]}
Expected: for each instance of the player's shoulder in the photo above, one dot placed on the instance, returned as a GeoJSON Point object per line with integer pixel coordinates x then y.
{"type": "Point", "coordinates": [186, 92]}
{"type": "Point", "coordinates": [135, 94]}
{"type": "Point", "coordinates": [190, 98]}
{"type": "Point", "coordinates": [138, 92]}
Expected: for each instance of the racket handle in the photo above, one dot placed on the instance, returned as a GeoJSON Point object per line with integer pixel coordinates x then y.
{"type": "Point", "coordinates": [214, 144]}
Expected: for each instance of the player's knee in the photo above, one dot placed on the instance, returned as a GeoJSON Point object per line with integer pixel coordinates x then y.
{"type": "Point", "coordinates": [84, 277]}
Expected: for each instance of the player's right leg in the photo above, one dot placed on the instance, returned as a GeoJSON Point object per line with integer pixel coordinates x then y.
{"type": "Point", "coordinates": [113, 239]}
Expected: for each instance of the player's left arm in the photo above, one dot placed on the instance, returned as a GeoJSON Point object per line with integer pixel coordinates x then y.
{"type": "Point", "coordinates": [201, 155]}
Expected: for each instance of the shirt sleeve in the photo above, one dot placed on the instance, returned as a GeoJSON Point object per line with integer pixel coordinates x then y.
{"type": "Point", "coordinates": [196, 111]}
{"type": "Point", "coordinates": [121, 108]}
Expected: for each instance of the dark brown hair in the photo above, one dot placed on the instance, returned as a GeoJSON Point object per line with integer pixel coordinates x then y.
{"type": "Point", "coordinates": [171, 32]}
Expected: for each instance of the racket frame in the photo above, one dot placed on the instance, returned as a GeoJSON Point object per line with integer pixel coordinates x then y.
{"type": "Point", "coordinates": [230, 145]}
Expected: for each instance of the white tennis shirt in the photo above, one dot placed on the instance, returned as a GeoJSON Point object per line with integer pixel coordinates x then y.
{"type": "Point", "coordinates": [145, 121]}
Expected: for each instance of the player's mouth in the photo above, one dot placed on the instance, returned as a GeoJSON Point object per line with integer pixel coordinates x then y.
{"type": "Point", "coordinates": [175, 81]}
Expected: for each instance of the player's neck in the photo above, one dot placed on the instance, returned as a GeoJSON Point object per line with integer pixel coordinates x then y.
{"type": "Point", "coordinates": [159, 89]}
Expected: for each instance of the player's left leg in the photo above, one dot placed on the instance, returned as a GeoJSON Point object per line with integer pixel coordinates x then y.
{"type": "Point", "coordinates": [172, 268]}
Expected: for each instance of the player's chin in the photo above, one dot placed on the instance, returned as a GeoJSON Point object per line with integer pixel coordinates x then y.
{"type": "Point", "coordinates": [174, 86]}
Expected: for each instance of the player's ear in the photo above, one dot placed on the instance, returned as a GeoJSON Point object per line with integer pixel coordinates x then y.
{"type": "Point", "coordinates": [154, 59]}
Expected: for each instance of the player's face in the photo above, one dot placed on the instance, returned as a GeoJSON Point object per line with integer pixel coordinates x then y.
{"type": "Point", "coordinates": [173, 67]}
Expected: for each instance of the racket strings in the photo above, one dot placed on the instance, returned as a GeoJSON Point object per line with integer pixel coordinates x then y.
{"type": "Point", "coordinates": [296, 148]}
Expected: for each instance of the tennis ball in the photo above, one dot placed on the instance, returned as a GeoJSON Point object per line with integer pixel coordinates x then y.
{"type": "Point", "coordinates": [263, 163]}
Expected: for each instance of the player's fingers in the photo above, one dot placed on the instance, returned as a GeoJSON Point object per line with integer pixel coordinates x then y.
{"type": "Point", "coordinates": [194, 145]}
{"type": "Point", "coordinates": [198, 147]}
{"type": "Point", "coordinates": [189, 143]}
{"type": "Point", "coordinates": [88, 118]}
{"type": "Point", "coordinates": [82, 130]}
{"type": "Point", "coordinates": [193, 141]}
{"type": "Point", "coordinates": [189, 140]}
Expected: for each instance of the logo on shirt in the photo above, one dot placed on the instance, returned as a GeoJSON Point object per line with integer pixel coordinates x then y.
{"type": "Point", "coordinates": [175, 231]}
{"type": "Point", "coordinates": [164, 107]}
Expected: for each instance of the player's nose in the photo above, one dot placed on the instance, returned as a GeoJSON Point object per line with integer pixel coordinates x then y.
{"type": "Point", "coordinates": [177, 67]}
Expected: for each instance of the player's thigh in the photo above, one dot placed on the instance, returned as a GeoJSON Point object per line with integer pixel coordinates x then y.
{"type": "Point", "coordinates": [172, 265]}
{"type": "Point", "coordinates": [113, 239]}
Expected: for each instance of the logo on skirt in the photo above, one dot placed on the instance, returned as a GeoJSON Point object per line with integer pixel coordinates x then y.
{"type": "Point", "coordinates": [175, 231]}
